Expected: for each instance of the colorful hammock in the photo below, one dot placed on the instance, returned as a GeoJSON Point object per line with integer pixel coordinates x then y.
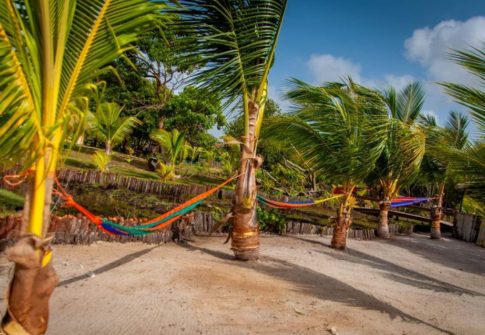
{"type": "Point", "coordinates": [293, 204]}
{"type": "Point", "coordinates": [406, 201]}
{"type": "Point", "coordinates": [157, 223]}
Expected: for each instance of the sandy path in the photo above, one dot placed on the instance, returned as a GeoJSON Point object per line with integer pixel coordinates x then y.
{"type": "Point", "coordinates": [410, 285]}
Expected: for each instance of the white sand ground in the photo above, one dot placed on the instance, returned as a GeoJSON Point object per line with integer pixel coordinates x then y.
{"type": "Point", "coordinates": [408, 285]}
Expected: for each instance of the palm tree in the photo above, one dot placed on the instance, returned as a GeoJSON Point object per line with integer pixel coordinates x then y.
{"type": "Point", "coordinates": [341, 129]}
{"type": "Point", "coordinates": [49, 51]}
{"type": "Point", "coordinates": [404, 148]}
{"type": "Point", "coordinates": [172, 142]}
{"type": "Point", "coordinates": [109, 126]}
{"type": "Point", "coordinates": [235, 43]}
{"type": "Point", "coordinates": [470, 161]}
{"type": "Point", "coordinates": [441, 144]}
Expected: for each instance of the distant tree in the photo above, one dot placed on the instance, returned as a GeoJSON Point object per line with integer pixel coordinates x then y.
{"type": "Point", "coordinates": [145, 80]}
{"type": "Point", "coordinates": [193, 111]}
{"type": "Point", "coordinates": [403, 151]}
{"type": "Point", "coordinates": [172, 143]}
{"type": "Point", "coordinates": [341, 129]}
{"type": "Point", "coordinates": [437, 167]}
{"type": "Point", "coordinates": [109, 126]}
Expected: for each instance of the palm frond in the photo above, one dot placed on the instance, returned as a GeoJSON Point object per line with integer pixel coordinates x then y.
{"type": "Point", "coordinates": [472, 98]}
{"type": "Point", "coordinates": [47, 58]}
{"type": "Point", "coordinates": [235, 40]}
{"type": "Point", "coordinates": [172, 142]}
{"type": "Point", "coordinates": [339, 128]}
{"type": "Point", "coordinates": [410, 102]}
{"type": "Point", "coordinates": [457, 129]}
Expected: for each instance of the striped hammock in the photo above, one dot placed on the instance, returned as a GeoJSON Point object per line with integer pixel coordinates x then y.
{"type": "Point", "coordinates": [160, 222]}
{"type": "Point", "coordinates": [406, 201]}
{"type": "Point", "coordinates": [293, 204]}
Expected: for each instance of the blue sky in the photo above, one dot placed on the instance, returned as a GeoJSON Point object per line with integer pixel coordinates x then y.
{"type": "Point", "coordinates": [379, 43]}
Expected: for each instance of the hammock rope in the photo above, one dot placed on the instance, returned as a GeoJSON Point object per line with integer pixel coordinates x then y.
{"type": "Point", "coordinates": [406, 201]}
{"type": "Point", "coordinates": [294, 204]}
{"type": "Point", "coordinates": [157, 223]}
{"type": "Point", "coordinates": [397, 202]}
{"type": "Point", "coordinates": [167, 218]}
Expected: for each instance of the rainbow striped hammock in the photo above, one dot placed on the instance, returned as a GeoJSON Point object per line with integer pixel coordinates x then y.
{"type": "Point", "coordinates": [160, 222]}
{"type": "Point", "coordinates": [406, 201]}
{"type": "Point", "coordinates": [293, 204]}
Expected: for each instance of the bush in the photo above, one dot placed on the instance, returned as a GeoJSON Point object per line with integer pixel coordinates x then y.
{"type": "Point", "coordinates": [271, 220]}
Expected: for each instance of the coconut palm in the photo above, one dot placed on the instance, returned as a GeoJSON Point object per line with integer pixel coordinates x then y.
{"type": "Point", "coordinates": [470, 162]}
{"type": "Point", "coordinates": [108, 125]}
{"type": "Point", "coordinates": [441, 145]}
{"type": "Point", "coordinates": [340, 129]}
{"type": "Point", "coordinates": [49, 51]}
{"type": "Point", "coordinates": [235, 42]}
{"type": "Point", "coordinates": [172, 142]}
{"type": "Point", "coordinates": [404, 148]}
{"type": "Point", "coordinates": [472, 98]}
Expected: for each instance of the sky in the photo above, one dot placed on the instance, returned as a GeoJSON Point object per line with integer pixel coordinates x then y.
{"type": "Point", "coordinates": [379, 43]}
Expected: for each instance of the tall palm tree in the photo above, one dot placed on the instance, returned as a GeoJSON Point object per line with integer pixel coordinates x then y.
{"type": "Point", "coordinates": [109, 126]}
{"type": "Point", "coordinates": [235, 42]}
{"type": "Point", "coordinates": [49, 51]}
{"type": "Point", "coordinates": [341, 130]}
{"type": "Point", "coordinates": [404, 148]}
{"type": "Point", "coordinates": [438, 164]}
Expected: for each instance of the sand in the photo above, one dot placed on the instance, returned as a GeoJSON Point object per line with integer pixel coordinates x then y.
{"type": "Point", "coordinates": [408, 285]}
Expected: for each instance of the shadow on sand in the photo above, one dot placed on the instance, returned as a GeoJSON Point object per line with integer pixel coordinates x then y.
{"type": "Point", "coordinates": [317, 284]}
{"type": "Point", "coordinates": [465, 256]}
{"type": "Point", "coordinates": [110, 266]}
{"type": "Point", "coordinates": [394, 271]}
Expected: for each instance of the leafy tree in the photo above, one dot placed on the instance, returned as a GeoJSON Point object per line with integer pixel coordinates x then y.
{"type": "Point", "coordinates": [146, 91]}
{"type": "Point", "coordinates": [236, 42]}
{"type": "Point", "coordinates": [171, 142]}
{"type": "Point", "coordinates": [48, 54]}
{"type": "Point", "coordinates": [403, 150]}
{"type": "Point", "coordinates": [159, 59]}
{"type": "Point", "coordinates": [193, 112]}
{"type": "Point", "coordinates": [108, 125]}
{"type": "Point", "coordinates": [341, 130]}
{"type": "Point", "coordinates": [437, 165]}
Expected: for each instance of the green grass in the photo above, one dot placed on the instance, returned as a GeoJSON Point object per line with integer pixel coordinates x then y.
{"type": "Point", "coordinates": [134, 172]}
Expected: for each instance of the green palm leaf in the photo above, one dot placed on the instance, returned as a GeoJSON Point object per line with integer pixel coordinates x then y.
{"type": "Point", "coordinates": [339, 128]}
{"type": "Point", "coordinates": [48, 54]}
{"type": "Point", "coordinates": [407, 104]}
{"type": "Point", "coordinates": [172, 142]}
{"type": "Point", "coordinates": [472, 98]}
{"type": "Point", "coordinates": [234, 42]}
{"type": "Point", "coordinates": [109, 126]}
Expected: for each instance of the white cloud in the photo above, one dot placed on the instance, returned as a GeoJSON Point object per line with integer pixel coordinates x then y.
{"type": "Point", "coordinates": [398, 82]}
{"type": "Point", "coordinates": [326, 67]}
{"type": "Point", "coordinates": [431, 46]}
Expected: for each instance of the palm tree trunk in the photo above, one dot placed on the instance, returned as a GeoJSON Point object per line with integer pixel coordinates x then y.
{"type": "Point", "coordinates": [245, 232]}
{"type": "Point", "coordinates": [343, 222]}
{"type": "Point", "coordinates": [436, 214]}
{"type": "Point", "coordinates": [108, 147]}
{"type": "Point", "coordinates": [383, 228]}
{"type": "Point", "coordinates": [34, 277]}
